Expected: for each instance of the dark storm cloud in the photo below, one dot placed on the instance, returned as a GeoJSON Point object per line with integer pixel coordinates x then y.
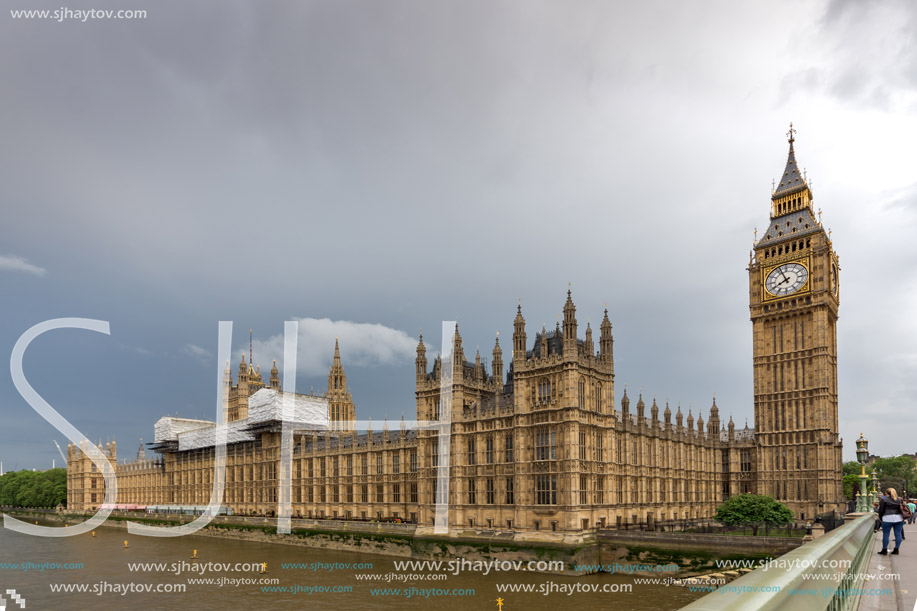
{"type": "Point", "coordinates": [397, 164]}
{"type": "Point", "coordinates": [864, 54]}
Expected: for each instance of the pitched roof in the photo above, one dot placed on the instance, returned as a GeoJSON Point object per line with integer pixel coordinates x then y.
{"type": "Point", "coordinates": [792, 180]}
{"type": "Point", "coordinates": [790, 225]}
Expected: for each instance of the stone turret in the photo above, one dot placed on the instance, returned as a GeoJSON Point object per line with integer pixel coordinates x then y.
{"type": "Point", "coordinates": [421, 361]}
{"type": "Point", "coordinates": [519, 337]}
{"type": "Point", "coordinates": [227, 388]}
{"type": "Point", "coordinates": [243, 373]}
{"type": "Point", "coordinates": [275, 377]}
{"type": "Point", "coordinates": [337, 379]}
{"type": "Point", "coordinates": [713, 427]}
{"type": "Point", "coordinates": [606, 342]}
{"type": "Point", "coordinates": [342, 411]}
{"type": "Point", "coordinates": [569, 326]}
{"type": "Point", "coordinates": [497, 365]}
{"type": "Point", "coordinates": [458, 355]}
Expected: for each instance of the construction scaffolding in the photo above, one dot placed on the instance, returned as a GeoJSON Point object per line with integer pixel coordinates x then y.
{"type": "Point", "coordinates": [265, 412]}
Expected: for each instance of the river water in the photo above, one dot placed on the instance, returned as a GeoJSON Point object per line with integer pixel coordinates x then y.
{"type": "Point", "coordinates": [105, 571]}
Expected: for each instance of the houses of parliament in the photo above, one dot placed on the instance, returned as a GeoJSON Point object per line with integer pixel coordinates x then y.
{"type": "Point", "coordinates": [546, 444]}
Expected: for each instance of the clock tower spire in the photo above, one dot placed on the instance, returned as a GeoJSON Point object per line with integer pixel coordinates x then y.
{"type": "Point", "coordinates": [793, 193]}
{"type": "Point", "coordinates": [794, 299]}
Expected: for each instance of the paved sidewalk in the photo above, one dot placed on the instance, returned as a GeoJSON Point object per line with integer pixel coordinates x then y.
{"type": "Point", "coordinates": [904, 597]}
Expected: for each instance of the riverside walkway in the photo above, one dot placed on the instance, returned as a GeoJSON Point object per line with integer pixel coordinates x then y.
{"type": "Point", "coordinates": [904, 589]}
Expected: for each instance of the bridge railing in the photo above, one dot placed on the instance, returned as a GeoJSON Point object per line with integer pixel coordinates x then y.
{"type": "Point", "coordinates": [824, 574]}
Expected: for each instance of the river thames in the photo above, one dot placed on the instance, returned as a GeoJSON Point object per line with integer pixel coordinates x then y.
{"type": "Point", "coordinates": [159, 573]}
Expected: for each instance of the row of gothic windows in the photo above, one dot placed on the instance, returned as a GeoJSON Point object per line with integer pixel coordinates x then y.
{"type": "Point", "coordinates": [801, 462]}
{"type": "Point", "coordinates": [541, 393]}
{"type": "Point", "coordinates": [788, 205]}
{"type": "Point", "coordinates": [490, 492]}
{"type": "Point", "coordinates": [788, 248]}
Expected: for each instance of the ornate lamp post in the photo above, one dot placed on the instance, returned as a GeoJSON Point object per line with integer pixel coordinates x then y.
{"type": "Point", "coordinates": [875, 487]}
{"type": "Point", "coordinates": [863, 499]}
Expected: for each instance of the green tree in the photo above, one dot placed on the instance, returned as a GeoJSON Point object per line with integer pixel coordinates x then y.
{"type": "Point", "coordinates": [851, 486]}
{"type": "Point", "coordinates": [896, 470]}
{"type": "Point", "coordinates": [10, 485]}
{"type": "Point", "coordinates": [753, 510]}
{"type": "Point", "coordinates": [34, 488]}
{"type": "Point", "coordinates": [852, 467]}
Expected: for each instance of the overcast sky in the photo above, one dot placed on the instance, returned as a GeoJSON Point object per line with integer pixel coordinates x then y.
{"type": "Point", "coordinates": [374, 168]}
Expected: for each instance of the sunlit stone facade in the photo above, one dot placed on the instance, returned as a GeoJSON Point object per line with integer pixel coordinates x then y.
{"type": "Point", "coordinates": [541, 447]}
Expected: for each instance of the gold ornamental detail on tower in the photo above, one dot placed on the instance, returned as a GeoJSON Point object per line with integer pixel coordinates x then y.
{"type": "Point", "coordinates": [784, 279]}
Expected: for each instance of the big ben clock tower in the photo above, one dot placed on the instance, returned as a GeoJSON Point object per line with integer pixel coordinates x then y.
{"type": "Point", "coordinates": [794, 295]}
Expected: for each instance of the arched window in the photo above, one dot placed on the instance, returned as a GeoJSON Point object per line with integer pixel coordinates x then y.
{"type": "Point", "coordinates": [598, 398]}
{"type": "Point", "coordinates": [544, 390]}
{"type": "Point", "coordinates": [581, 393]}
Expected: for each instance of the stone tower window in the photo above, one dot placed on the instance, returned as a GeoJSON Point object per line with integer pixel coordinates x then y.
{"type": "Point", "coordinates": [545, 443]}
{"type": "Point", "coordinates": [546, 490]}
{"type": "Point", "coordinates": [544, 390]}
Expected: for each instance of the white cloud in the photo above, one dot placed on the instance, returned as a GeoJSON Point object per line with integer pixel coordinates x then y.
{"type": "Point", "coordinates": [136, 350]}
{"type": "Point", "coordinates": [362, 344]}
{"type": "Point", "coordinates": [12, 263]}
{"type": "Point", "coordinates": [196, 352]}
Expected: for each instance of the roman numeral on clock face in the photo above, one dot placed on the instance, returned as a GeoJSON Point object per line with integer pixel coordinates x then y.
{"type": "Point", "coordinates": [786, 279]}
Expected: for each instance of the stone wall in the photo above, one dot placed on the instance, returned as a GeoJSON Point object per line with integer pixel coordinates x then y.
{"type": "Point", "coordinates": [701, 541]}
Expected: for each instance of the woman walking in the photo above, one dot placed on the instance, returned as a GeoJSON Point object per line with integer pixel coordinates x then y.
{"type": "Point", "coordinates": [891, 516]}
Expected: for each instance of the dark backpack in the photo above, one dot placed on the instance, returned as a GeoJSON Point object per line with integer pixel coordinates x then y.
{"type": "Point", "coordinates": [905, 510]}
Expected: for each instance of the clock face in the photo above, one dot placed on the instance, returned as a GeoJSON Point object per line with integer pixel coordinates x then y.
{"type": "Point", "coordinates": [786, 279]}
{"type": "Point", "coordinates": [834, 278]}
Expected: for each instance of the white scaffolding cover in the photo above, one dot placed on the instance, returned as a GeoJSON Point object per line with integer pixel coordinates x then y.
{"type": "Point", "coordinates": [169, 428]}
{"type": "Point", "coordinates": [265, 407]}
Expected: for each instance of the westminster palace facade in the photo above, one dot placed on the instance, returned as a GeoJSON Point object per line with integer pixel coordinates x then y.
{"type": "Point", "coordinates": [544, 445]}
